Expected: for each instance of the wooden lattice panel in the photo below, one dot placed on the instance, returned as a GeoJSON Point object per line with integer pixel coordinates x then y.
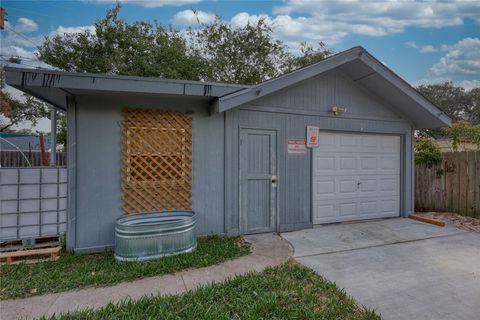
{"type": "Point", "coordinates": [157, 161]}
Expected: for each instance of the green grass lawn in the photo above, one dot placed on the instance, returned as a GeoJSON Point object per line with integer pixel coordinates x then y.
{"type": "Point", "coordinates": [73, 271]}
{"type": "Point", "coordinates": [288, 291]}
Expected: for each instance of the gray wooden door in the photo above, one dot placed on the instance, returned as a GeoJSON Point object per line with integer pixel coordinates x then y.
{"type": "Point", "coordinates": [258, 195]}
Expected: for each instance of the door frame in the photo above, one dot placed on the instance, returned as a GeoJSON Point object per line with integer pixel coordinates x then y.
{"type": "Point", "coordinates": [276, 211]}
{"type": "Point", "coordinates": [401, 173]}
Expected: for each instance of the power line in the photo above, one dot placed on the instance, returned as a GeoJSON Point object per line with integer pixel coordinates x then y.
{"type": "Point", "coordinates": [30, 12]}
{"type": "Point", "coordinates": [54, 5]}
{"type": "Point", "coordinates": [21, 35]}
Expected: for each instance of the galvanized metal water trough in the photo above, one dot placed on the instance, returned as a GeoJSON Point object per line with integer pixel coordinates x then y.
{"type": "Point", "coordinates": [141, 237]}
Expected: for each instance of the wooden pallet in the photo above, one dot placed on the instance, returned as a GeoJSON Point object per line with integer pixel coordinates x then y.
{"type": "Point", "coordinates": [12, 256]}
{"type": "Point", "coordinates": [15, 246]}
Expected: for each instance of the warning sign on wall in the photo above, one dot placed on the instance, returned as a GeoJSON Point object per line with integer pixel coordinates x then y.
{"type": "Point", "coordinates": [312, 136]}
{"type": "Point", "coordinates": [296, 146]}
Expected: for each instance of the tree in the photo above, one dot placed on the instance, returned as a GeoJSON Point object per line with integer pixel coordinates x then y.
{"type": "Point", "coordinates": [118, 47]}
{"type": "Point", "coordinates": [213, 52]}
{"type": "Point", "coordinates": [246, 55]}
{"type": "Point", "coordinates": [427, 152]}
{"type": "Point", "coordinates": [14, 111]}
{"type": "Point", "coordinates": [457, 102]}
{"type": "Point", "coordinates": [62, 130]}
{"type": "Point", "coordinates": [463, 132]}
{"type": "Point", "coordinates": [311, 55]}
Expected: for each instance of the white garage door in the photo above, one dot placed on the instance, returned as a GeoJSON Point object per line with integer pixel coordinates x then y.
{"type": "Point", "coordinates": [355, 176]}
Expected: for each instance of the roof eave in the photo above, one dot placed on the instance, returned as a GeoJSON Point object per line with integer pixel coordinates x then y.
{"type": "Point", "coordinates": [42, 84]}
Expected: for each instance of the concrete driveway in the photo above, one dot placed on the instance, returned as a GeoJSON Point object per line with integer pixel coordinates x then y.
{"type": "Point", "coordinates": [401, 268]}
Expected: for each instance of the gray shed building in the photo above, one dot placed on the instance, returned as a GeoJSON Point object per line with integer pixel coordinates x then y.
{"type": "Point", "coordinates": [240, 159]}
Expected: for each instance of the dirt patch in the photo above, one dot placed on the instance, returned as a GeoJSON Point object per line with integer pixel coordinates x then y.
{"type": "Point", "coordinates": [453, 219]}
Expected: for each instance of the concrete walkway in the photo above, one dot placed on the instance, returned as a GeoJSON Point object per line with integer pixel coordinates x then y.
{"type": "Point", "coordinates": [267, 250]}
{"type": "Point", "coordinates": [401, 268]}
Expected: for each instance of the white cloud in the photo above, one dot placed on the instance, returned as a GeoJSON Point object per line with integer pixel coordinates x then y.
{"type": "Point", "coordinates": [61, 30]}
{"type": "Point", "coordinates": [241, 19]}
{"type": "Point", "coordinates": [333, 20]}
{"type": "Point", "coordinates": [26, 25]}
{"type": "Point", "coordinates": [150, 3]}
{"type": "Point", "coordinates": [191, 17]}
{"type": "Point", "coordinates": [462, 58]}
{"type": "Point", "coordinates": [296, 21]}
{"type": "Point", "coordinates": [428, 49]}
{"type": "Point", "coordinates": [293, 31]}
{"type": "Point", "coordinates": [411, 44]}
{"type": "Point", "coordinates": [423, 49]}
{"type": "Point", "coordinates": [470, 84]}
{"type": "Point", "coordinates": [25, 47]}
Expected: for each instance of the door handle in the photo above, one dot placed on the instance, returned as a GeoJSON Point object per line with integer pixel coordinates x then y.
{"type": "Point", "coordinates": [274, 181]}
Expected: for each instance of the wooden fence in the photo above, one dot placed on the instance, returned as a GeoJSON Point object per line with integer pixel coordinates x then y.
{"type": "Point", "coordinates": [452, 186]}
{"type": "Point", "coordinates": [28, 159]}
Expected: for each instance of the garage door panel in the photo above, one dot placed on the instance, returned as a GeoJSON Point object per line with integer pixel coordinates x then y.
{"type": "Point", "coordinates": [331, 187]}
{"type": "Point", "coordinates": [355, 177]}
{"type": "Point", "coordinates": [347, 187]}
{"type": "Point", "coordinates": [347, 163]}
{"type": "Point", "coordinates": [324, 211]}
{"type": "Point", "coordinates": [325, 163]}
{"type": "Point", "coordinates": [347, 209]}
{"type": "Point", "coordinates": [355, 209]}
{"type": "Point", "coordinates": [324, 188]}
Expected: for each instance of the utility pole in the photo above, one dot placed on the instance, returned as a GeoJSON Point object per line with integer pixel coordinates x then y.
{"type": "Point", "coordinates": [2, 18]}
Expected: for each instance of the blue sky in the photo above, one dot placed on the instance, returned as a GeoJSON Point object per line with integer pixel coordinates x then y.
{"type": "Point", "coordinates": [423, 42]}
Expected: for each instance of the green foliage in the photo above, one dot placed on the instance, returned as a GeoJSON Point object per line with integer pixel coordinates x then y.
{"type": "Point", "coordinates": [212, 52]}
{"type": "Point", "coordinates": [61, 129]}
{"type": "Point", "coordinates": [245, 55]}
{"type": "Point", "coordinates": [117, 47]}
{"type": "Point", "coordinates": [289, 291]}
{"type": "Point", "coordinates": [311, 55]}
{"type": "Point", "coordinates": [457, 102]}
{"type": "Point", "coordinates": [427, 152]}
{"type": "Point", "coordinates": [15, 111]}
{"type": "Point", "coordinates": [463, 132]}
{"type": "Point", "coordinates": [73, 271]}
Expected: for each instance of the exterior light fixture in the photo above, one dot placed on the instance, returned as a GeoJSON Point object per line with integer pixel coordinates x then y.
{"type": "Point", "coordinates": [338, 110]}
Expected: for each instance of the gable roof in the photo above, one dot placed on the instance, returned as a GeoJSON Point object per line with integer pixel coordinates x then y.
{"type": "Point", "coordinates": [362, 68]}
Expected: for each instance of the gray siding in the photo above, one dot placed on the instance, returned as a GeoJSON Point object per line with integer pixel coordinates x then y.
{"type": "Point", "coordinates": [289, 112]}
{"type": "Point", "coordinates": [319, 94]}
{"type": "Point", "coordinates": [98, 165]}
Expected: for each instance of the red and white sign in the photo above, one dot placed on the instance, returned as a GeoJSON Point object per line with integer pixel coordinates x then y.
{"type": "Point", "coordinates": [296, 146]}
{"type": "Point", "coordinates": [312, 136]}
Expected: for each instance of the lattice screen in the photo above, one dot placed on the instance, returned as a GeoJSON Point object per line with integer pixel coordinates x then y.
{"type": "Point", "coordinates": [157, 161]}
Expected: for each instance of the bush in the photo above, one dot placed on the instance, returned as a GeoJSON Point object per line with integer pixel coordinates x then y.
{"type": "Point", "coordinates": [427, 153]}
{"type": "Point", "coordinates": [463, 132]}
